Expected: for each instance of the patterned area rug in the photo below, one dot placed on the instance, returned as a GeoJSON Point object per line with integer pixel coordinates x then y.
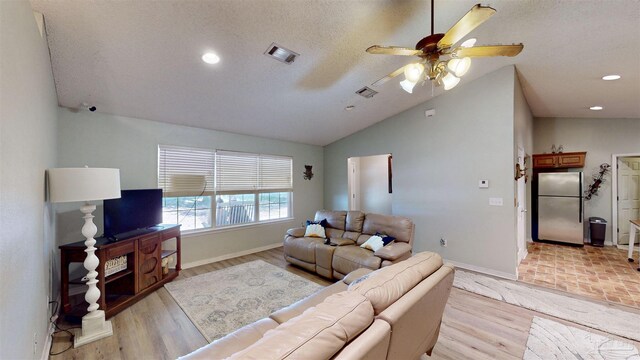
{"type": "Point", "coordinates": [584, 312]}
{"type": "Point", "coordinates": [552, 340]}
{"type": "Point", "coordinates": [222, 301]}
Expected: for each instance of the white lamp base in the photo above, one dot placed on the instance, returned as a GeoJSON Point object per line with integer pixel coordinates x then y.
{"type": "Point", "coordinates": [94, 327]}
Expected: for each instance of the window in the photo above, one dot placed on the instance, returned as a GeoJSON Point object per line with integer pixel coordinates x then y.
{"type": "Point", "coordinates": [246, 188]}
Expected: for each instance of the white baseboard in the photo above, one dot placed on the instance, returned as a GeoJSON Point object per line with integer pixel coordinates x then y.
{"type": "Point", "coordinates": [482, 270]}
{"type": "Point", "coordinates": [230, 256]}
{"type": "Point", "coordinates": [522, 254]}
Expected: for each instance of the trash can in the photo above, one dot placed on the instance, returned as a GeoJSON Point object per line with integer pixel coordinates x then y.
{"type": "Point", "coordinates": [597, 230]}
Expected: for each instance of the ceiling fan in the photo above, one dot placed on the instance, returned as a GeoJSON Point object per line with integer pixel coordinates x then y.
{"type": "Point", "coordinates": [441, 61]}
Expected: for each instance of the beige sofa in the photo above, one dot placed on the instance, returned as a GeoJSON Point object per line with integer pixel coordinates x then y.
{"type": "Point", "coordinates": [392, 313]}
{"type": "Point", "coordinates": [348, 230]}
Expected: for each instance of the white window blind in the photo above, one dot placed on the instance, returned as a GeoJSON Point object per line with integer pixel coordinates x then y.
{"type": "Point", "coordinates": [237, 171]}
{"type": "Point", "coordinates": [275, 172]}
{"type": "Point", "coordinates": [185, 171]}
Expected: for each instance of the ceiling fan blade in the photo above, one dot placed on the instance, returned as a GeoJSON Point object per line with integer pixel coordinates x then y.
{"type": "Point", "coordinates": [388, 77]}
{"type": "Point", "coordinates": [471, 20]}
{"type": "Point", "coordinates": [488, 50]}
{"type": "Point", "coordinates": [393, 50]}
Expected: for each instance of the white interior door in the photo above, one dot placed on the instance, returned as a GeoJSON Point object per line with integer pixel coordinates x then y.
{"type": "Point", "coordinates": [353, 171]}
{"type": "Point", "coordinates": [521, 209]}
{"type": "Point", "coordinates": [628, 196]}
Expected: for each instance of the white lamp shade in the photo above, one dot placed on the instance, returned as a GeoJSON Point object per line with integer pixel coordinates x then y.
{"type": "Point", "coordinates": [413, 72]}
{"type": "Point", "coordinates": [459, 66]}
{"type": "Point", "coordinates": [407, 86]}
{"type": "Point", "coordinates": [450, 81]}
{"type": "Point", "coordinates": [83, 184]}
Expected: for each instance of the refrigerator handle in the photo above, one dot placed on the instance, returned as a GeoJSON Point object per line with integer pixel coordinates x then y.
{"type": "Point", "coordinates": [581, 199]}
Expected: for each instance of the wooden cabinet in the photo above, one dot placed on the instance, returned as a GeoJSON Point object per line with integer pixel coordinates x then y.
{"type": "Point", "coordinates": [563, 160]}
{"type": "Point", "coordinates": [143, 274]}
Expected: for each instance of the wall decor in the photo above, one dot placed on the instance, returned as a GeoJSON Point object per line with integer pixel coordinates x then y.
{"type": "Point", "coordinates": [598, 179]}
{"type": "Point", "coordinates": [308, 172]}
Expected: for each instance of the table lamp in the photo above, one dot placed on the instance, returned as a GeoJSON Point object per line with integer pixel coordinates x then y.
{"type": "Point", "coordinates": [87, 184]}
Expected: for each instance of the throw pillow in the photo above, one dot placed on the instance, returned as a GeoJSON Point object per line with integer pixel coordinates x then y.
{"type": "Point", "coordinates": [316, 229]}
{"type": "Point", "coordinates": [377, 242]}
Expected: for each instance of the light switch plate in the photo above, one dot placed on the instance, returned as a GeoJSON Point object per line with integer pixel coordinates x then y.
{"type": "Point", "coordinates": [483, 184]}
{"type": "Point", "coordinates": [495, 201]}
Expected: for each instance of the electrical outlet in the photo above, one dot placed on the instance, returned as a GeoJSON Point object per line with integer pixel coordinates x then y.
{"type": "Point", "coordinates": [443, 242]}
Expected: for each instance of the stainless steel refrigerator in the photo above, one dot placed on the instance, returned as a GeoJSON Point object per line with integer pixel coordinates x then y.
{"type": "Point", "coordinates": [560, 207]}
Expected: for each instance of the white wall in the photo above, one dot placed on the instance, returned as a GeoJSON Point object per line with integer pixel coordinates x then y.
{"type": "Point", "coordinates": [130, 144]}
{"type": "Point", "coordinates": [437, 163]}
{"type": "Point", "coordinates": [374, 184]}
{"type": "Point", "coordinates": [27, 148]}
{"type": "Point", "coordinates": [600, 138]}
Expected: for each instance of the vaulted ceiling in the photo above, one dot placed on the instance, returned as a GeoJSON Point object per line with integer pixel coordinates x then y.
{"type": "Point", "coordinates": [142, 59]}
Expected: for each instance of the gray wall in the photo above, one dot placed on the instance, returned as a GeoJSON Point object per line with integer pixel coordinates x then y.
{"type": "Point", "coordinates": [523, 123]}
{"type": "Point", "coordinates": [101, 140]}
{"type": "Point", "coordinates": [27, 148]}
{"type": "Point", "coordinates": [437, 163]}
{"type": "Point", "coordinates": [600, 138]}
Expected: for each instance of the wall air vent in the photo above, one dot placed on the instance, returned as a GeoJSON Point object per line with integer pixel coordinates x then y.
{"type": "Point", "coordinates": [366, 92]}
{"type": "Point", "coordinates": [281, 54]}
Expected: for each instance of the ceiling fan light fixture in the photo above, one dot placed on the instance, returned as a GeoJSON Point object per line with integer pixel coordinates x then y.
{"type": "Point", "coordinates": [459, 66]}
{"type": "Point", "coordinates": [468, 43]}
{"type": "Point", "coordinates": [407, 85]}
{"type": "Point", "coordinates": [450, 81]}
{"type": "Point", "coordinates": [413, 72]}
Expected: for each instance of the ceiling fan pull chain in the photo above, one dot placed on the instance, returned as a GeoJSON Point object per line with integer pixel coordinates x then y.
{"type": "Point", "coordinates": [432, 15]}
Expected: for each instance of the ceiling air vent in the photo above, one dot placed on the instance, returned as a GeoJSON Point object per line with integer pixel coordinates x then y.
{"type": "Point", "coordinates": [366, 92]}
{"type": "Point", "coordinates": [281, 54]}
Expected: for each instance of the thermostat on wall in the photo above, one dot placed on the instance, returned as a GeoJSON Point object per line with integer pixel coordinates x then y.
{"type": "Point", "coordinates": [483, 184]}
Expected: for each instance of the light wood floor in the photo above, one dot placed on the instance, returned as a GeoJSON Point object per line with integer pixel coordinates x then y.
{"type": "Point", "coordinates": [474, 327]}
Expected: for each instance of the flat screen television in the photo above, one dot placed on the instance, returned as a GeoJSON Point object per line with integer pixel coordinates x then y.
{"type": "Point", "coordinates": [134, 213]}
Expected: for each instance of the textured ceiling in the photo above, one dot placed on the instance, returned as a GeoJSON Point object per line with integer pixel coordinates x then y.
{"type": "Point", "coordinates": [142, 59]}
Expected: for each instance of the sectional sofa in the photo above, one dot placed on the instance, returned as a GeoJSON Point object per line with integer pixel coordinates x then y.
{"type": "Point", "coordinates": [393, 313]}
{"type": "Point", "coordinates": [347, 230]}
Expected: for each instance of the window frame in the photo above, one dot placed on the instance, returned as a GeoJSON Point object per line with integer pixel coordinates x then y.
{"type": "Point", "coordinates": [215, 193]}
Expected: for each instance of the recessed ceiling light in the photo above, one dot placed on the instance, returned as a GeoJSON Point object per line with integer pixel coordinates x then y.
{"type": "Point", "coordinates": [350, 107]}
{"type": "Point", "coordinates": [211, 58]}
{"type": "Point", "coordinates": [611, 77]}
{"type": "Point", "coordinates": [596, 108]}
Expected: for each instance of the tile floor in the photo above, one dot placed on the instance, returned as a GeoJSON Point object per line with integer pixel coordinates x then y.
{"type": "Point", "coordinates": [599, 273]}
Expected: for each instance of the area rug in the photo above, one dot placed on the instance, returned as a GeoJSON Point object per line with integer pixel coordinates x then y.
{"type": "Point", "coordinates": [222, 301]}
{"type": "Point", "coordinates": [587, 313]}
{"type": "Point", "coordinates": [552, 340]}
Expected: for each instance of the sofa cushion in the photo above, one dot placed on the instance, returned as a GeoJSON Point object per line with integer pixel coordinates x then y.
{"type": "Point", "coordinates": [334, 233]}
{"type": "Point", "coordinates": [399, 227]}
{"type": "Point", "coordinates": [383, 287]}
{"type": "Point", "coordinates": [234, 342]}
{"type": "Point", "coordinates": [349, 258]}
{"type": "Point", "coordinates": [318, 333]}
{"type": "Point", "coordinates": [287, 313]}
{"type": "Point", "coordinates": [351, 235]}
{"type": "Point", "coordinates": [354, 221]}
{"type": "Point", "coordinates": [303, 248]}
{"type": "Point", "coordinates": [335, 219]}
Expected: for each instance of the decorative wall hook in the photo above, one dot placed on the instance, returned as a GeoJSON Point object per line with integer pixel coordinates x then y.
{"type": "Point", "coordinates": [308, 173]}
{"type": "Point", "coordinates": [520, 172]}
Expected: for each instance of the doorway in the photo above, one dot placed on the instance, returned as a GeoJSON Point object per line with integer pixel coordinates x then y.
{"type": "Point", "coordinates": [369, 182]}
{"type": "Point", "coordinates": [627, 195]}
{"type": "Point", "coordinates": [521, 208]}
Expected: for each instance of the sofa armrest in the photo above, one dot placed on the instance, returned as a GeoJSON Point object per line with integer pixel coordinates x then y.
{"type": "Point", "coordinates": [393, 251]}
{"type": "Point", "coordinates": [342, 241]}
{"type": "Point", "coordinates": [355, 275]}
{"type": "Point", "coordinates": [296, 232]}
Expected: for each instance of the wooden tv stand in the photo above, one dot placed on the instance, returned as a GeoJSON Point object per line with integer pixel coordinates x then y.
{"type": "Point", "coordinates": [142, 276]}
